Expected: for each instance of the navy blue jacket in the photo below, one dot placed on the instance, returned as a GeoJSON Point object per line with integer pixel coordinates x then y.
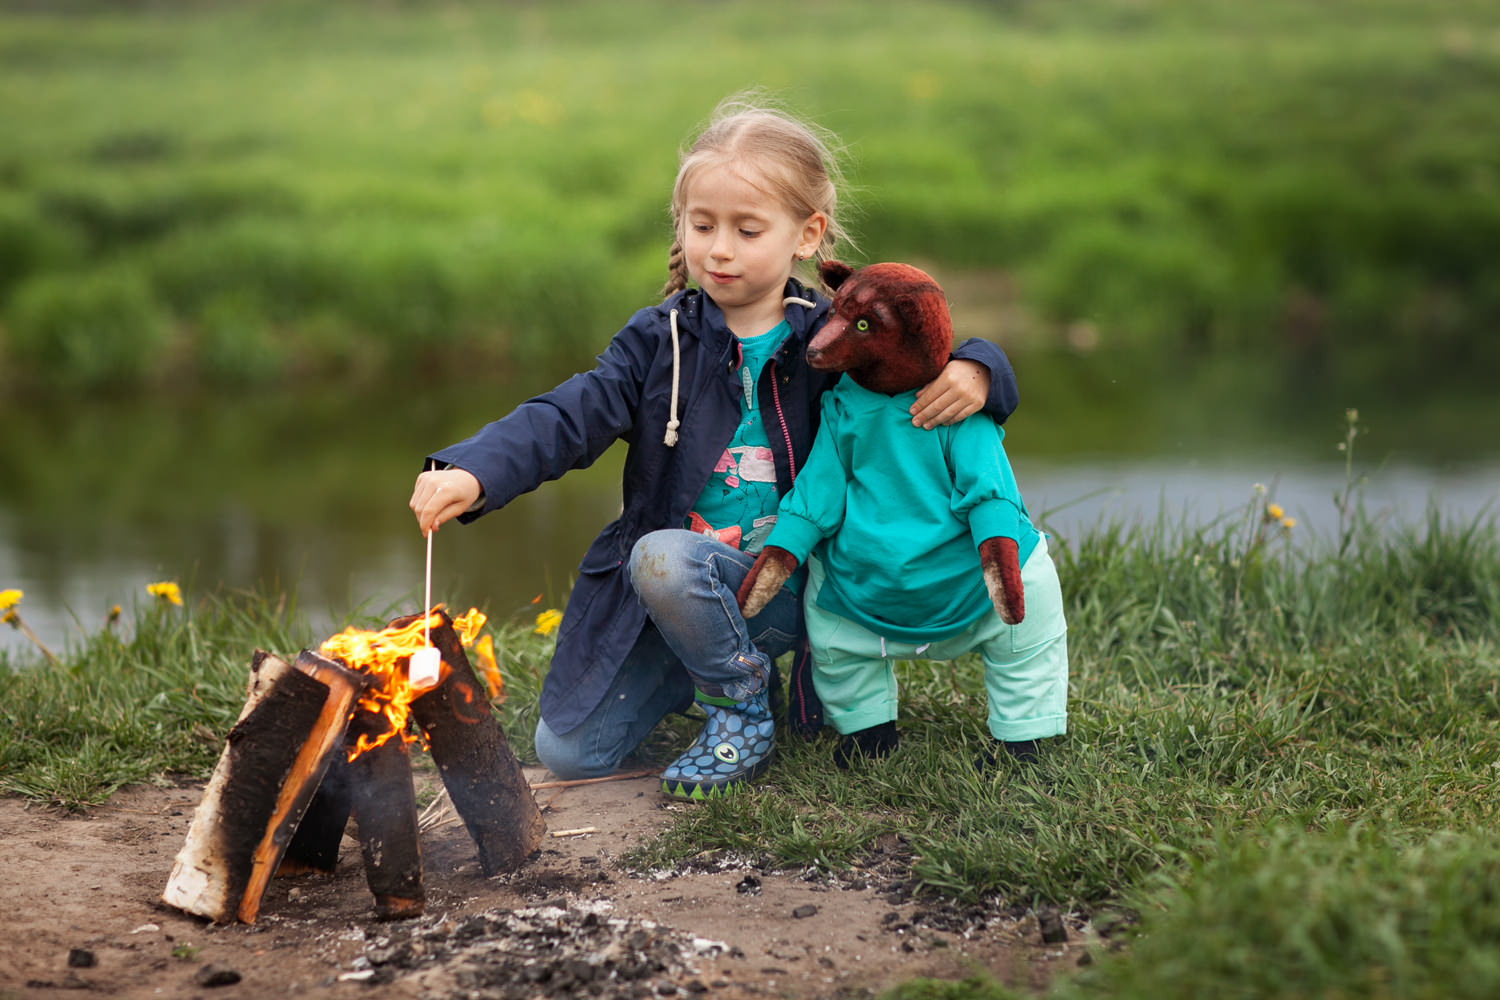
{"type": "Point", "coordinates": [627, 396]}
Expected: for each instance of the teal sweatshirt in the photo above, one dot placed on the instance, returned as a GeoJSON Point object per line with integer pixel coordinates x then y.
{"type": "Point", "coordinates": [896, 514]}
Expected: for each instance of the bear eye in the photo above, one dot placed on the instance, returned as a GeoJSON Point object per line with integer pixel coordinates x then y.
{"type": "Point", "coordinates": [861, 325]}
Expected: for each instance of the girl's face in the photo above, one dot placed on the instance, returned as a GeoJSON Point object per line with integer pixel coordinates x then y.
{"type": "Point", "coordinates": [741, 243]}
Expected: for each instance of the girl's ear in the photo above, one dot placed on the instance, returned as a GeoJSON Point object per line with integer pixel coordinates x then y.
{"type": "Point", "coordinates": [812, 234]}
{"type": "Point", "coordinates": [833, 273]}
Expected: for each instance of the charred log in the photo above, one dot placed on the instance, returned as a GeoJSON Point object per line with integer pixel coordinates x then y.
{"type": "Point", "coordinates": [290, 730]}
{"type": "Point", "coordinates": [315, 845]}
{"type": "Point", "coordinates": [484, 779]}
{"type": "Point", "coordinates": [385, 813]}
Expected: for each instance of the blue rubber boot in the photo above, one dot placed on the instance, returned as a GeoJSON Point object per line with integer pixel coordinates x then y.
{"type": "Point", "coordinates": [736, 744]}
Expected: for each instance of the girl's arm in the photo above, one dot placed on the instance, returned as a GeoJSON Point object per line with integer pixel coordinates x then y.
{"type": "Point", "coordinates": [566, 428]}
{"type": "Point", "coordinates": [977, 377]}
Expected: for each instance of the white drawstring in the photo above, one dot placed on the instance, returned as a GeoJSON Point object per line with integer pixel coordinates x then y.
{"type": "Point", "coordinates": [670, 439]}
{"type": "Point", "coordinates": [672, 423]}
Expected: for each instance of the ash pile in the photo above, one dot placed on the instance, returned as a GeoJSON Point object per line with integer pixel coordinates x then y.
{"type": "Point", "coordinates": [555, 950]}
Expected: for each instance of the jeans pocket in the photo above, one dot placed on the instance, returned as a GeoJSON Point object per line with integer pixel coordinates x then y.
{"type": "Point", "coordinates": [772, 641]}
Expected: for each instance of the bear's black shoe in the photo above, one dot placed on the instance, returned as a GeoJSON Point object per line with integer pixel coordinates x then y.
{"type": "Point", "coordinates": [1021, 751]}
{"type": "Point", "coordinates": [871, 744]}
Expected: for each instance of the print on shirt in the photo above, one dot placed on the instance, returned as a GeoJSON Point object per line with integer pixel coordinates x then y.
{"type": "Point", "coordinates": [743, 481]}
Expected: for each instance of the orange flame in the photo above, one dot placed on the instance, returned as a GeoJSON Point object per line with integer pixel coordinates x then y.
{"type": "Point", "coordinates": [384, 655]}
{"type": "Point", "coordinates": [489, 669]}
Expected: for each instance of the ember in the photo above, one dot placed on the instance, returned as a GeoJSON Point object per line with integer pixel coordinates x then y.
{"type": "Point", "coordinates": [314, 745]}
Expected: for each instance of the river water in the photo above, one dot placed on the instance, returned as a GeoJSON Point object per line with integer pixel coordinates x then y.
{"type": "Point", "coordinates": [305, 489]}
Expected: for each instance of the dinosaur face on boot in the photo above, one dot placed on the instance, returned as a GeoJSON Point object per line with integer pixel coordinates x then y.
{"type": "Point", "coordinates": [889, 327]}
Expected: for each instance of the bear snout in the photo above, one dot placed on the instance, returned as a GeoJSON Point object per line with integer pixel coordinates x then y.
{"type": "Point", "coordinates": [821, 353]}
{"type": "Point", "coordinates": [818, 359]}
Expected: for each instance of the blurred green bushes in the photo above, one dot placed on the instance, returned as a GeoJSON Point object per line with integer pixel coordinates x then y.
{"type": "Point", "coordinates": [249, 192]}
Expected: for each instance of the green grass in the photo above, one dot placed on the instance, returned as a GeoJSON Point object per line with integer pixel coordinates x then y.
{"type": "Point", "coordinates": [140, 700]}
{"type": "Point", "coordinates": [1279, 777]}
{"type": "Point", "coordinates": [1222, 678]}
{"type": "Point", "coordinates": [1347, 912]}
{"type": "Point", "coordinates": [149, 697]}
{"type": "Point", "coordinates": [253, 192]}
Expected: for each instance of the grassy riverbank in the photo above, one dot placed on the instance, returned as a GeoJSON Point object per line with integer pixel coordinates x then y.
{"type": "Point", "coordinates": [253, 192]}
{"type": "Point", "coordinates": [1280, 775]}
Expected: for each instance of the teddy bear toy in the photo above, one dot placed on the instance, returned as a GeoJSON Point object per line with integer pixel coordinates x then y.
{"type": "Point", "coordinates": [920, 545]}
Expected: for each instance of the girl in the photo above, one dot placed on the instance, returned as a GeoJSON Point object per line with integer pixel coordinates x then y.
{"type": "Point", "coordinates": [713, 395]}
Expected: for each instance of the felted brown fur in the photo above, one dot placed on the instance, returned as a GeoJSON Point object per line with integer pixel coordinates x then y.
{"type": "Point", "coordinates": [889, 327]}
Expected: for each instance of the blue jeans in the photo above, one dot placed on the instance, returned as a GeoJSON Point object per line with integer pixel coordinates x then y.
{"type": "Point", "coordinates": [687, 583]}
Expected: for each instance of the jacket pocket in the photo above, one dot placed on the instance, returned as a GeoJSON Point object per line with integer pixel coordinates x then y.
{"type": "Point", "coordinates": [604, 554]}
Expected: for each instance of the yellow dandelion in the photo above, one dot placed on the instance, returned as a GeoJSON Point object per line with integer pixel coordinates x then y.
{"type": "Point", "coordinates": [1288, 523]}
{"type": "Point", "coordinates": [9, 616]}
{"type": "Point", "coordinates": [166, 591]}
{"type": "Point", "coordinates": [1274, 512]}
{"type": "Point", "coordinates": [484, 652]}
{"type": "Point", "coordinates": [547, 621]}
{"type": "Point", "coordinates": [537, 108]}
{"type": "Point", "coordinates": [923, 86]}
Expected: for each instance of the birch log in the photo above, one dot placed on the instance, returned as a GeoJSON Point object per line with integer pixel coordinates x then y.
{"type": "Point", "coordinates": [291, 728]}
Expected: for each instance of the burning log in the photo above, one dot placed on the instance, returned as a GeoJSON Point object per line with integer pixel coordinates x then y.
{"type": "Point", "coordinates": [484, 779]}
{"type": "Point", "coordinates": [385, 813]}
{"type": "Point", "coordinates": [326, 737]}
{"type": "Point", "coordinates": [376, 788]}
{"type": "Point", "coordinates": [315, 845]}
{"type": "Point", "coordinates": [290, 730]}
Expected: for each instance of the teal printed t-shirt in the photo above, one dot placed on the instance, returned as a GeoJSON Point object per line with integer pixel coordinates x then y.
{"type": "Point", "coordinates": [738, 505]}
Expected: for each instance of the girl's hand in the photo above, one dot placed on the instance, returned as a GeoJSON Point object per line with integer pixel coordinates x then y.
{"type": "Point", "coordinates": [442, 495]}
{"type": "Point", "coordinates": [960, 389]}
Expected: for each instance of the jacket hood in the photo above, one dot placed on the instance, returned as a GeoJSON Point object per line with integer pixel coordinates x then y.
{"type": "Point", "coordinates": [697, 313]}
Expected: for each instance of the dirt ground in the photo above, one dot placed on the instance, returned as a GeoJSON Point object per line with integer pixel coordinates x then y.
{"type": "Point", "coordinates": [80, 895]}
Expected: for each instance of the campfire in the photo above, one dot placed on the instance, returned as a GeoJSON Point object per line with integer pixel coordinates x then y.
{"type": "Point", "coordinates": [326, 737]}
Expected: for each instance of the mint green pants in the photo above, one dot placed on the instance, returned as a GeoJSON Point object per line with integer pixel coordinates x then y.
{"type": "Point", "coordinates": [1025, 665]}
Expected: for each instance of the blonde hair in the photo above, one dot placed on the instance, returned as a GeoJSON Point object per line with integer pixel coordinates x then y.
{"type": "Point", "coordinates": [795, 159]}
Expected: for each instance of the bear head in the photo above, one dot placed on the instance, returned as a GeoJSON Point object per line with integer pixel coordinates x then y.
{"type": "Point", "coordinates": [889, 327]}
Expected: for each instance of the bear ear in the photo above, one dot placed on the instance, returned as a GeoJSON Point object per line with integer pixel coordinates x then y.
{"type": "Point", "coordinates": [833, 273]}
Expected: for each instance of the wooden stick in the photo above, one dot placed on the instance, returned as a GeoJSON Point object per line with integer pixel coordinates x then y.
{"type": "Point", "coordinates": [618, 776]}
{"type": "Point", "coordinates": [575, 833]}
